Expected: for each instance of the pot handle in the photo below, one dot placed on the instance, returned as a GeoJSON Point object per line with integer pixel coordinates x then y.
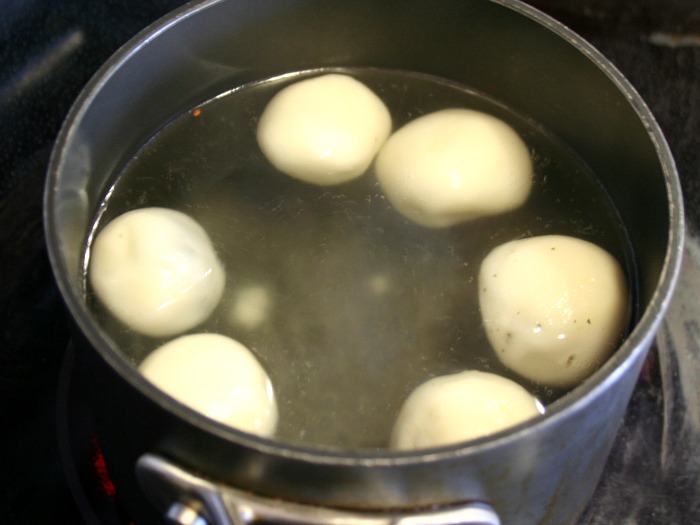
{"type": "Point", "coordinates": [186, 499]}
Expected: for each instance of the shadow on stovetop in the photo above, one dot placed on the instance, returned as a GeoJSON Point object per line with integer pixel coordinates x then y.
{"type": "Point", "coordinates": [653, 474]}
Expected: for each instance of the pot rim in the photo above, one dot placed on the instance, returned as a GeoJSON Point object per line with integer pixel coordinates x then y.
{"type": "Point", "coordinates": [617, 365]}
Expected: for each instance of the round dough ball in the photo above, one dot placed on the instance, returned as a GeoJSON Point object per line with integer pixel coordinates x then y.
{"type": "Point", "coordinates": [454, 165]}
{"type": "Point", "coordinates": [156, 271]}
{"type": "Point", "coordinates": [324, 130]}
{"type": "Point", "coordinates": [218, 377]}
{"type": "Point", "coordinates": [459, 407]}
{"type": "Point", "coordinates": [554, 307]}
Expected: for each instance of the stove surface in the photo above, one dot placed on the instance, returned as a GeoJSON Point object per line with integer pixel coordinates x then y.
{"type": "Point", "coordinates": [46, 56]}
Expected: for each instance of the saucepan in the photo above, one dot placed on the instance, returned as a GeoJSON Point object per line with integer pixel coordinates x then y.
{"type": "Point", "coordinates": [167, 459]}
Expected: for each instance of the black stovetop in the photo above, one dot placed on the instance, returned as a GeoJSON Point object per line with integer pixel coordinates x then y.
{"type": "Point", "coordinates": [48, 52]}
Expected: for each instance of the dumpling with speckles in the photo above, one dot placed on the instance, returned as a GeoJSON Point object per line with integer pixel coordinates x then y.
{"type": "Point", "coordinates": [554, 307]}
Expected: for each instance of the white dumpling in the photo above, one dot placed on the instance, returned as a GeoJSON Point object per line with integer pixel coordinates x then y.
{"type": "Point", "coordinates": [460, 407]}
{"type": "Point", "coordinates": [554, 307]}
{"type": "Point", "coordinates": [454, 165]}
{"type": "Point", "coordinates": [218, 377]}
{"type": "Point", "coordinates": [156, 271]}
{"type": "Point", "coordinates": [324, 130]}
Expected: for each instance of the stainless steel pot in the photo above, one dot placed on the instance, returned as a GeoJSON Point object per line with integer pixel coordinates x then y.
{"type": "Point", "coordinates": [538, 473]}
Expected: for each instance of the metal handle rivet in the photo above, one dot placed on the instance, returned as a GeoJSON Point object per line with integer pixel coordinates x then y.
{"type": "Point", "coordinates": [181, 514]}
